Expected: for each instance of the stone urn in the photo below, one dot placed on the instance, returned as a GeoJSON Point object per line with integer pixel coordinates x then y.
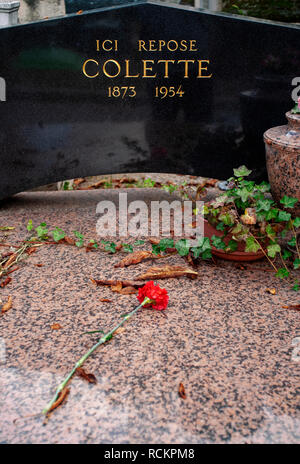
{"type": "Point", "coordinates": [283, 159]}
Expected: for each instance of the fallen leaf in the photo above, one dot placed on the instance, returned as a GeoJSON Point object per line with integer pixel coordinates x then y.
{"type": "Point", "coordinates": [55, 327]}
{"type": "Point", "coordinates": [61, 397]}
{"type": "Point", "coordinates": [39, 265]}
{"type": "Point", "coordinates": [10, 261]}
{"type": "Point", "coordinates": [105, 300]}
{"type": "Point", "coordinates": [272, 291]}
{"type": "Point", "coordinates": [96, 185]}
{"type": "Point", "coordinates": [295, 307]}
{"type": "Point", "coordinates": [69, 241]}
{"type": "Point", "coordinates": [117, 288]}
{"type": "Point", "coordinates": [7, 305]}
{"type": "Point", "coordinates": [134, 258]}
{"type": "Point", "coordinates": [78, 181]}
{"type": "Point", "coordinates": [202, 187]}
{"type": "Point", "coordinates": [31, 250]}
{"type": "Point", "coordinates": [181, 391]}
{"type": "Point", "coordinates": [154, 240]}
{"type": "Point", "coordinates": [165, 272]}
{"type": "Point", "coordinates": [6, 282]}
{"type": "Point", "coordinates": [90, 378]}
{"type": "Point", "coordinates": [128, 291]}
{"type": "Point", "coordinates": [109, 283]}
{"type": "Point", "coordinates": [79, 12]}
{"type": "Point", "coordinates": [127, 180]}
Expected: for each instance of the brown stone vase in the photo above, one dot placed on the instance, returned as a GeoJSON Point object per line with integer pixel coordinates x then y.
{"type": "Point", "coordinates": [283, 159]}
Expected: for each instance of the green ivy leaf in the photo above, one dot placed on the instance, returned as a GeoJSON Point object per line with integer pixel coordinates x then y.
{"type": "Point", "coordinates": [282, 273]}
{"type": "Point", "coordinates": [292, 242]}
{"type": "Point", "coordinates": [206, 254]}
{"type": "Point", "coordinates": [110, 247]}
{"type": "Point", "coordinates": [273, 249]}
{"type": "Point", "coordinates": [243, 193]}
{"type": "Point", "coordinates": [166, 243]}
{"type": "Point", "coordinates": [183, 247]}
{"type": "Point", "coordinates": [94, 243]}
{"type": "Point", "coordinates": [42, 231]}
{"type": "Point", "coordinates": [270, 232]}
{"type": "Point", "coordinates": [296, 287]}
{"type": "Point", "coordinates": [58, 234]}
{"type": "Point", "coordinates": [288, 202]}
{"type": "Point", "coordinates": [251, 245]}
{"type": "Point", "coordinates": [296, 222]}
{"type": "Point", "coordinates": [127, 248]}
{"type": "Point", "coordinates": [30, 225]}
{"type": "Point", "coordinates": [78, 235]}
{"type": "Point", "coordinates": [264, 205]}
{"type": "Point", "coordinates": [232, 245]}
{"type": "Point", "coordinates": [272, 214]}
{"type": "Point", "coordinates": [227, 219]}
{"type": "Point", "coordinates": [286, 254]}
{"type": "Point", "coordinates": [296, 263]}
{"type": "Point", "coordinates": [220, 226]}
{"type": "Point", "coordinates": [196, 251]}
{"type": "Point", "coordinates": [242, 171]}
{"type": "Point", "coordinates": [155, 249]}
{"type": "Point", "coordinates": [283, 216]}
{"type": "Point", "coordinates": [263, 187]}
{"type": "Point", "coordinates": [139, 242]}
{"type": "Point", "coordinates": [218, 243]}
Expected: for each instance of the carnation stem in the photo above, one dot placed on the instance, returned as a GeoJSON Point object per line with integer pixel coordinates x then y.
{"type": "Point", "coordinates": [79, 363]}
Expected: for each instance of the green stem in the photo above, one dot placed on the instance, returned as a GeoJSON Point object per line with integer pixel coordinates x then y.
{"type": "Point", "coordinates": [270, 261]}
{"type": "Point", "coordinates": [79, 363]}
{"type": "Point", "coordinates": [295, 234]}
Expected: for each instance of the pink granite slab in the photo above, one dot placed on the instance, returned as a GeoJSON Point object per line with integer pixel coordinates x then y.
{"type": "Point", "coordinates": [223, 336]}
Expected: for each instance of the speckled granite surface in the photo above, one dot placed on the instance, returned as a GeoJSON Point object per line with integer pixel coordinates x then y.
{"type": "Point", "coordinates": [223, 336]}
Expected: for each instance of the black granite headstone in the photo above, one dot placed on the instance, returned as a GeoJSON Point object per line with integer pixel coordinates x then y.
{"type": "Point", "coordinates": [60, 122]}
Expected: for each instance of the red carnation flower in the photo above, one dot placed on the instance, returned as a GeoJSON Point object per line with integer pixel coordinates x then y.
{"type": "Point", "coordinates": [159, 296]}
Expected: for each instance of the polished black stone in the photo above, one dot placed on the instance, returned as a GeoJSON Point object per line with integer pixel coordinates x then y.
{"type": "Point", "coordinates": [73, 6]}
{"type": "Point", "coordinates": [57, 124]}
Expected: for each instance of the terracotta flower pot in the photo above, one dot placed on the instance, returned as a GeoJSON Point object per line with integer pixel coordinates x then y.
{"type": "Point", "coordinates": [239, 255]}
{"type": "Point", "coordinates": [283, 159]}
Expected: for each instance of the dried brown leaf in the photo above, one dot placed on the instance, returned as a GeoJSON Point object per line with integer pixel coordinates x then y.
{"type": "Point", "coordinates": [78, 181]}
{"type": "Point", "coordinates": [117, 288]}
{"type": "Point", "coordinates": [295, 307]}
{"type": "Point", "coordinates": [55, 326]}
{"type": "Point", "coordinates": [181, 391]}
{"type": "Point", "coordinates": [109, 283]}
{"type": "Point", "coordinates": [134, 258]}
{"type": "Point", "coordinates": [90, 378]}
{"type": "Point", "coordinates": [7, 305]}
{"type": "Point", "coordinates": [10, 261]}
{"type": "Point", "coordinates": [61, 397]}
{"type": "Point", "coordinates": [272, 291]}
{"type": "Point", "coordinates": [96, 185]}
{"type": "Point", "coordinates": [202, 187]}
{"type": "Point", "coordinates": [31, 250]}
{"type": "Point", "coordinates": [6, 282]}
{"type": "Point", "coordinates": [128, 291]}
{"type": "Point", "coordinates": [105, 300]}
{"type": "Point", "coordinates": [167, 271]}
{"type": "Point", "coordinates": [79, 12]}
{"type": "Point", "coordinates": [69, 241]}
